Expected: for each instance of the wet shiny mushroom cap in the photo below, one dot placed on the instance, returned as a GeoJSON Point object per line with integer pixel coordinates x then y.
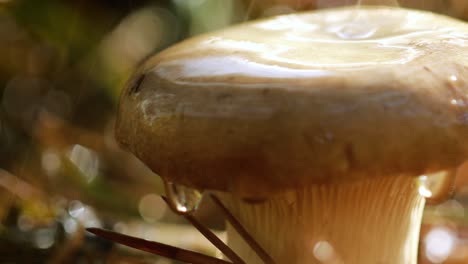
{"type": "Point", "coordinates": [299, 99]}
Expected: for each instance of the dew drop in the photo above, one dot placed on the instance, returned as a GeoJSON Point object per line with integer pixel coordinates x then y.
{"type": "Point", "coordinates": [182, 199]}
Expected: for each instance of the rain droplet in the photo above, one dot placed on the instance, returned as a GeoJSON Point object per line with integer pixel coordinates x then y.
{"type": "Point", "coordinates": [182, 199]}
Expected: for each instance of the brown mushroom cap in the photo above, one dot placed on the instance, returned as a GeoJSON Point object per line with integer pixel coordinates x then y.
{"type": "Point", "coordinates": [307, 98]}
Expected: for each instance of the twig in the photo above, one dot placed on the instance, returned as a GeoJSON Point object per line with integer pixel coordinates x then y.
{"type": "Point", "coordinates": [261, 253]}
{"type": "Point", "coordinates": [160, 249]}
{"type": "Point", "coordinates": [218, 243]}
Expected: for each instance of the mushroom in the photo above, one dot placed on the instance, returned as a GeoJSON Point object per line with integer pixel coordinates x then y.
{"type": "Point", "coordinates": [255, 8]}
{"type": "Point", "coordinates": [311, 128]}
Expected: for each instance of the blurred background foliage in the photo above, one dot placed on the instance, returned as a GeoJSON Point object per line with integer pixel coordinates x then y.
{"type": "Point", "coordinates": [62, 65]}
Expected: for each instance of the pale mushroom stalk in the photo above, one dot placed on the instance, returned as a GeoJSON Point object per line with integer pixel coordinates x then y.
{"type": "Point", "coordinates": [326, 118]}
{"type": "Point", "coordinates": [370, 221]}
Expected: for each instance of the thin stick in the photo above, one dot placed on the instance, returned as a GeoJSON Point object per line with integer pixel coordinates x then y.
{"type": "Point", "coordinates": [160, 249]}
{"type": "Point", "coordinates": [261, 253]}
{"type": "Point", "coordinates": [218, 243]}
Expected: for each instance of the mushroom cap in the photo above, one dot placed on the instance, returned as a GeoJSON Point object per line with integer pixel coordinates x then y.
{"type": "Point", "coordinates": [315, 97]}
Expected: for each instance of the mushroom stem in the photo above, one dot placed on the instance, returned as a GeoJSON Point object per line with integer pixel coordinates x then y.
{"type": "Point", "coordinates": [367, 222]}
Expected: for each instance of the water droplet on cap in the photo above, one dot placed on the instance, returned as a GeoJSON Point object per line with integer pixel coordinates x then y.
{"type": "Point", "coordinates": [183, 199]}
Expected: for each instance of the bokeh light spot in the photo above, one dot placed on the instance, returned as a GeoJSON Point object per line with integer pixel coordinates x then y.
{"type": "Point", "coordinates": [50, 162]}
{"type": "Point", "coordinates": [152, 208]}
{"type": "Point", "coordinates": [86, 160]}
{"type": "Point", "coordinates": [439, 243]}
{"type": "Point", "coordinates": [44, 238]}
